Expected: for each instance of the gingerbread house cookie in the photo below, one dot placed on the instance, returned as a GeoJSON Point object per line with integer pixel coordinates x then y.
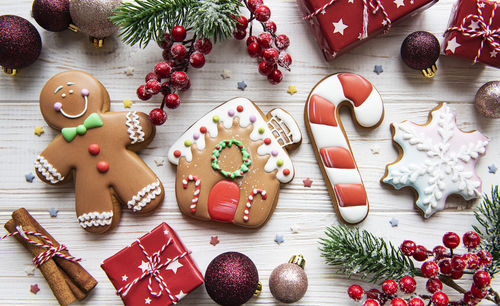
{"type": "Point", "coordinates": [230, 163]}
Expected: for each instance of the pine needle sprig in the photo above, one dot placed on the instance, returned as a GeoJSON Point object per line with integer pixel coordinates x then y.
{"type": "Point", "coordinates": [488, 215]}
{"type": "Point", "coordinates": [359, 252]}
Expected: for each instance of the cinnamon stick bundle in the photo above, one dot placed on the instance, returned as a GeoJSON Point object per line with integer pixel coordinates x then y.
{"type": "Point", "coordinates": [68, 280]}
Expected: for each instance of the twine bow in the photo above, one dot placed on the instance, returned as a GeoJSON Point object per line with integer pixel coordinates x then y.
{"type": "Point", "coordinates": [155, 265]}
{"type": "Point", "coordinates": [374, 5]}
{"type": "Point", "coordinates": [52, 250]}
{"type": "Point", "coordinates": [484, 32]}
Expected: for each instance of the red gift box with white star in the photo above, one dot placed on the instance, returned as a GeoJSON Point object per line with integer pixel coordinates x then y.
{"type": "Point", "coordinates": [340, 25]}
{"type": "Point", "coordinates": [154, 270]}
{"type": "Point", "coordinates": [474, 32]}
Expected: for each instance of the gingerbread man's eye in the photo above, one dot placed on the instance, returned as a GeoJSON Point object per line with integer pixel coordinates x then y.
{"type": "Point", "coordinates": [57, 106]}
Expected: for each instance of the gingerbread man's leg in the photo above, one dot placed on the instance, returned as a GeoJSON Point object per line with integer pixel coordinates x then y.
{"type": "Point", "coordinates": [97, 209]}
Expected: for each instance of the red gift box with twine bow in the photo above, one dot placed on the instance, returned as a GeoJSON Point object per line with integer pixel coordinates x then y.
{"type": "Point", "coordinates": [340, 25]}
{"type": "Point", "coordinates": [474, 32]}
{"type": "Point", "coordinates": [154, 270]}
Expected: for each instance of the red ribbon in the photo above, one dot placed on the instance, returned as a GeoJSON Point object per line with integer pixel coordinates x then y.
{"type": "Point", "coordinates": [484, 32]}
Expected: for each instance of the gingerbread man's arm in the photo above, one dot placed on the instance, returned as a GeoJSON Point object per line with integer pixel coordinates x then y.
{"type": "Point", "coordinates": [138, 129]}
{"type": "Point", "coordinates": [52, 165]}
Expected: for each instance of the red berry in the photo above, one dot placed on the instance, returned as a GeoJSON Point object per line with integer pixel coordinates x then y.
{"type": "Point", "coordinates": [152, 76]}
{"type": "Point", "coordinates": [253, 4]}
{"type": "Point", "coordinates": [265, 68]}
{"type": "Point", "coordinates": [471, 240]}
{"type": "Point", "coordinates": [262, 13]}
{"type": "Point", "coordinates": [172, 101]}
{"type": "Point", "coordinates": [408, 247]}
{"type": "Point", "coordinates": [165, 44]}
{"type": "Point", "coordinates": [472, 260]}
{"type": "Point", "coordinates": [241, 23]}
{"type": "Point", "coordinates": [458, 263]}
{"type": "Point", "coordinates": [240, 34]}
{"type": "Point", "coordinates": [178, 33]}
{"type": "Point", "coordinates": [407, 284]}
{"type": "Point", "coordinates": [470, 299]}
{"type": "Point", "coordinates": [445, 266]}
{"type": "Point", "coordinates": [398, 302]}
{"type": "Point", "coordinates": [166, 54]}
{"type": "Point", "coordinates": [165, 88]}
{"type": "Point", "coordinates": [282, 42]}
{"type": "Point", "coordinates": [254, 49]}
{"type": "Point", "coordinates": [457, 274]}
{"type": "Point", "coordinates": [433, 285]}
{"type": "Point", "coordinates": [355, 292]}
{"type": "Point", "coordinates": [187, 86]}
{"type": "Point", "coordinates": [390, 287]}
{"type": "Point", "coordinates": [158, 116]}
{"type": "Point", "coordinates": [485, 258]}
{"type": "Point", "coordinates": [265, 40]}
{"type": "Point", "coordinates": [270, 26]}
{"type": "Point", "coordinates": [275, 76]}
{"type": "Point", "coordinates": [420, 253]}
{"type": "Point", "coordinates": [371, 302]}
{"type": "Point", "coordinates": [197, 59]}
{"type": "Point", "coordinates": [178, 51]}
{"type": "Point", "coordinates": [440, 299]}
{"type": "Point", "coordinates": [166, 36]}
{"type": "Point", "coordinates": [439, 251]}
{"type": "Point", "coordinates": [143, 94]}
{"type": "Point", "coordinates": [153, 86]}
{"type": "Point", "coordinates": [481, 279]}
{"type": "Point", "coordinates": [252, 39]}
{"type": "Point", "coordinates": [179, 79]}
{"type": "Point", "coordinates": [416, 301]}
{"type": "Point", "coordinates": [373, 294]}
{"type": "Point", "coordinates": [451, 240]}
{"type": "Point", "coordinates": [163, 70]}
{"type": "Point", "coordinates": [204, 45]}
{"type": "Point", "coordinates": [284, 60]}
{"type": "Point", "coordinates": [478, 293]}
{"type": "Point", "coordinates": [429, 269]}
{"type": "Point", "coordinates": [270, 55]}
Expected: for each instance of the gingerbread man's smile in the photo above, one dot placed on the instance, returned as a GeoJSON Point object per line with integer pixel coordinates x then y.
{"type": "Point", "coordinates": [58, 105]}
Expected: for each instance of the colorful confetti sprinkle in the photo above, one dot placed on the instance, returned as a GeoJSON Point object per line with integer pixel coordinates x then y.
{"type": "Point", "coordinates": [214, 240]}
{"type": "Point", "coordinates": [38, 130]}
{"type": "Point", "coordinates": [307, 182]}
{"type": "Point", "coordinates": [291, 89]}
{"type": "Point", "coordinates": [242, 85]}
{"type": "Point", "coordinates": [127, 103]}
{"type": "Point", "coordinates": [279, 238]}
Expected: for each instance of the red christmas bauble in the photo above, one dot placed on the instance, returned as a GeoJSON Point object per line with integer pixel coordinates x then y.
{"type": "Point", "coordinates": [231, 279]}
{"type": "Point", "coordinates": [420, 50]}
{"type": "Point", "coordinates": [52, 15]}
{"type": "Point", "coordinates": [20, 42]}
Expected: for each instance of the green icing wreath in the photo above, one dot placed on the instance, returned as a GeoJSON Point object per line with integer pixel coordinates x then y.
{"type": "Point", "coordinates": [244, 154]}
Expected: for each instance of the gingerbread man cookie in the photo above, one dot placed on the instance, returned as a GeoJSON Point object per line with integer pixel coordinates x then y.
{"type": "Point", "coordinates": [436, 159]}
{"type": "Point", "coordinates": [96, 149]}
{"type": "Point", "coordinates": [230, 163]}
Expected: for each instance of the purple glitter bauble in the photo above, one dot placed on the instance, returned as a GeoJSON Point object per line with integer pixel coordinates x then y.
{"type": "Point", "coordinates": [20, 42]}
{"type": "Point", "coordinates": [231, 279]}
{"type": "Point", "coordinates": [420, 50]}
{"type": "Point", "coordinates": [52, 15]}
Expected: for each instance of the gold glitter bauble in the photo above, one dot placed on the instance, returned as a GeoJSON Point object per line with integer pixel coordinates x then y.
{"type": "Point", "coordinates": [488, 99]}
{"type": "Point", "coordinates": [288, 282]}
{"type": "Point", "coordinates": [92, 16]}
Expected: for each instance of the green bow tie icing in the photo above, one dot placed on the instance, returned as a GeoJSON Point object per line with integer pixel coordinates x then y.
{"type": "Point", "coordinates": [92, 121]}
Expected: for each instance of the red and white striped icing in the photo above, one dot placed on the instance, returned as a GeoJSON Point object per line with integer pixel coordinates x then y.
{"type": "Point", "coordinates": [197, 189]}
{"type": "Point", "coordinates": [331, 142]}
{"type": "Point", "coordinates": [246, 213]}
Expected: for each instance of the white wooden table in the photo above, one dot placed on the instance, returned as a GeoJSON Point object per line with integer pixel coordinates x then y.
{"type": "Point", "coordinates": [407, 95]}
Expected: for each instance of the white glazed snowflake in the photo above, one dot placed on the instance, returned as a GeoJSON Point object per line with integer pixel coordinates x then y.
{"type": "Point", "coordinates": [437, 160]}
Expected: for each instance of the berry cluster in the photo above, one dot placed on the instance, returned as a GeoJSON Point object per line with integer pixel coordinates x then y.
{"type": "Point", "coordinates": [170, 77]}
{"type": "Point", "coordinates": [267, 47]}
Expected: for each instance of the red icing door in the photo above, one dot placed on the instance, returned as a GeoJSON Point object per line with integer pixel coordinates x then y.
{"type": "Point", "coordinates": [223, 200]}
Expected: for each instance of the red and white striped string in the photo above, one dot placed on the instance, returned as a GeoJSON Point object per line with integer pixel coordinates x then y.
{"type": "Point", "coordinates": [197, 189]}
{"type": "Point", "coordinates": [246, 213]}
{"type": "Point", "coordinates": [484, 32]}
{"type": "Point", "coordinates": [52, 250]}
{"type": "Point", "coordinates": [155, 265]}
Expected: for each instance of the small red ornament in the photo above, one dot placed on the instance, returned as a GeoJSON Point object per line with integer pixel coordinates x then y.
{"type": "Point", "coordinates": [286, 171]}
{"type": "Point", "coordinates": [178, 33]}
{"type": "Point", "coordinates": [439, 251]}
{"type": "Point", "coordinates": [158, 116]}
{"type": "Point", "coordinates": [451, 240]}
{"type": "Point", "coordinates": [94, 149]}
{"type": "Point", "coordinates": [285, 60]}
{"type": "Point", "coordinates": [52, 15]}
{"type": "Point", "coordinates": [103, 166]}
{"type": "Point", "coordinates": [267, 141]}
{"type": "Point", "coordinates": [203, 129]}
{"type": "Point", "coordinates": [416, 301]}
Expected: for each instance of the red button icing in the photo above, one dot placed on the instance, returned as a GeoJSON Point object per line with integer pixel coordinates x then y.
{"type": "Point", "coordinates": [203, 129]}
{"type": "Point", "coordinates": [223, 201]}
{"type": "Point", "coordinates": [239, 108]}
{"type": "Point", "coordinates": [350, 195]}
{"type": "Point", "coordinates": [286, 172]}
{"type": "Point", "coordinates": [103, 166]}
{"type": "Point", "coordinates": [177, 153]}
{"type": "Point", "coordinates": [337, 157]}
{"type": "Point", "coordinates": [94, 149]}
{"type": "Point", "coordinates": [267, 141]}
{"type": "Point", "coordinates": [321, 111]}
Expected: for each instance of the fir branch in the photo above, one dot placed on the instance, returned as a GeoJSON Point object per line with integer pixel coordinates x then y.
{"type": "Point", "coordinates": [488, 215]}
{"type": "Point", "coordinates": [360, 252]}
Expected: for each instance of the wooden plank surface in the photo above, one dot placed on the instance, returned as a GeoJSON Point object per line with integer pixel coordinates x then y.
{"type": "Point", "coordinates": [406, 95]}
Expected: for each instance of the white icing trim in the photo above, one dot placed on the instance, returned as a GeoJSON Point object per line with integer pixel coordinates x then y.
{"type": "Point", "coordinates": [353, 214]}
{"type": "Point", "coordinates": [145, 196]}
{"type": "Point", "coordinates": [78, 115]}
{"type": "Point", "coordinates": [249, 111]}
{"type": "Point", "coordinates": [134, 130]}
{"type": "Point", "coordinates": [47, 170]}
{"type": "Point", "coordinates": [283, 117]}
{"type": "Point", "coordinates": [95, 219]}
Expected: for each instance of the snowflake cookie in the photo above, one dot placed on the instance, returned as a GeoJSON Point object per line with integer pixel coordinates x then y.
{"type": "Point", "coordinates": [436, 159]}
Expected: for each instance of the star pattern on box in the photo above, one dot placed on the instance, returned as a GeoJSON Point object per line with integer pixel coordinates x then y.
{"type": "Point", "coordinates": [399, 3]}
{"type": "Point", "coordinates": [493, 53]}
{"type": "Point", "coordinates": [144, 266]}
{"type": "Point", "coordinates": [339, 27]}
{"type": "Point", "coordinates": [174, 266]}
{"type": "Point", "coordinates": [180, 295]}
{"type": "Point", "coordinates": [147, 301]}
{"type": "Point", "coordinates": [124, 278]}
{"type": "Point", "coordinates": [452, 45]}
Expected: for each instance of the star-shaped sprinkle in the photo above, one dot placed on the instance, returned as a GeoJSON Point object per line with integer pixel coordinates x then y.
{"type": "Point", "coordinates": [279, 238]}
{"type": "Point", "coordinates": [127, 103]}
{"type": "Point", "coordinates": [399, 3]}
{"type": "Point", "coordinates": [214, 240]}
{"type": "Point", "coordinates": [29, 177]}
{"type": "Point", "coordinates": [29, 270]}
{"type": "Point", "coordinates": [242, 85]}
{"type": "Point", "coordinates": [452, 45]}
{"type": "Point", "coordinates": [226, 74]}
{"type": "Point", "coordinates": [292, 89]}
{"type": "Point", "coordinates": [34, 288]}
{"type": "Point", "coordinates": [339, 27]}
{"type": "Point", "coordinates": [147, 300]}
{"type": "Point", "coordinates": [174, 265]}
{"type": "Point", "coordinates": [38, 130]}
{"type": "Point", "coordinates": [394, 222]}
{"type": "Point", "coordinates": [307, 182]}
{"type": "Point", "coordinates": [378, 69]}
{"type": "Point", "coordinates": [294, 228]}
{"type": "Point", "coordinates": [129, 71]}
{"type": "Point", "coordinates": [159, 162]}
{"type": "Point", "coordinates": [53, 212]}
{"type": "Point", "coordinates": [375, 149]}
{"type": "Point", "coordinates": [492, 169]}
{"type": "Point", "coordinates": [124, 277]}
{"type": "Point", "coordinates": [180, 295]}
{"type": "Point", "coordinates": [144, 266]}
